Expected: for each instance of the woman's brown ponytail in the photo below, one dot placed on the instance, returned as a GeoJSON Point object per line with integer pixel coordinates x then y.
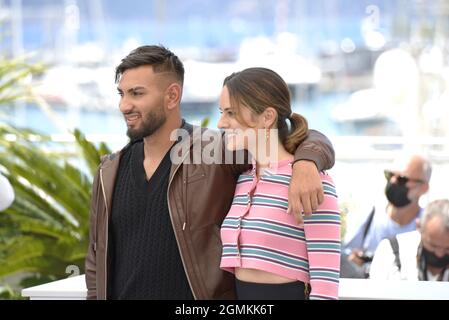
{"type": "Point", "coordinates": [297, 133]}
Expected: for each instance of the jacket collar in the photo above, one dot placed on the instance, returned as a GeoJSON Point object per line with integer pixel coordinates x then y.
{"type": "Point", "coordinates": [114, 158]}
{"type": "Point", "coordinates": [110, 163]}
{"type": "Point", "coordinates": [186, 139]}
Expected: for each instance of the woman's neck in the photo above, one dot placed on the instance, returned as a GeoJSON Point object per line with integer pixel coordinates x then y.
{"type": "Point", "coordinates": [271, 156]}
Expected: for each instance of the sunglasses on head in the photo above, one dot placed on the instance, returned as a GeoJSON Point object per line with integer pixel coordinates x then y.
{"type": "Point", "coordinates": [400, 178]}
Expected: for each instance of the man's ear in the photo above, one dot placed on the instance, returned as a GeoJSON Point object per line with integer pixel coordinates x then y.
{"type": "Point", "coordinates": [270, 116]}
{"type": "Point", "coordinates": [425, 188]}
{"type": "Point", "coordinates": [173, 95]}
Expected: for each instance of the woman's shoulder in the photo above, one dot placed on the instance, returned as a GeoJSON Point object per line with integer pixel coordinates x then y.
{"type": "Point", "coordinates": [325, 177]}
{"type": "Point", "coordinates": [246, 176]}
{"type": "Point", "coordinates": [328, 185]}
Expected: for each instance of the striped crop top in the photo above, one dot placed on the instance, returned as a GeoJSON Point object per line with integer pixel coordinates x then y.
{"type": "Point", "coordinates": [258, 233]}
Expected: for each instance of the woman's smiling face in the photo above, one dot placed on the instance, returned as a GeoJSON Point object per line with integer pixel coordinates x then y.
{"type": "Point", "coordinates": [238, 135]}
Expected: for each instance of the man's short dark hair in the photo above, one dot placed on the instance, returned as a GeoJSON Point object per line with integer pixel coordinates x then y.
{"type": "Point", "coordinates": [159, 57]}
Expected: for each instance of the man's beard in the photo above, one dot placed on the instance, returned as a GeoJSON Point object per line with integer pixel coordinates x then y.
{"type": "Point", "coordinates": [150, 123]}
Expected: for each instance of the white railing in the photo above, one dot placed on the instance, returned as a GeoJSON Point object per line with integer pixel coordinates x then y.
{"type": "Point", "coordinates": [74, 288]}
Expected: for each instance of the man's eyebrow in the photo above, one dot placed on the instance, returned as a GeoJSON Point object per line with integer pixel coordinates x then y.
{"type": "Point", "coordinates": [135, 88]}
{"type": "Point", "coordinates": [131, 89]}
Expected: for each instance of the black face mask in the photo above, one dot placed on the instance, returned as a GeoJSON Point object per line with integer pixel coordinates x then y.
{"type": "Point", "coordinates": [397, 194]}
{"type": "Point", "coordinates": [432, 260]}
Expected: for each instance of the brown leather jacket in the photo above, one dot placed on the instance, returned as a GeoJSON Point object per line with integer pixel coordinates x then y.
{"type": "Point", "coordinates": [199, 197]}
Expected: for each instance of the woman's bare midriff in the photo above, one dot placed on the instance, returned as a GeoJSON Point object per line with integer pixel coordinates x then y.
{"type": "Point", "coordinates": [259, 276]}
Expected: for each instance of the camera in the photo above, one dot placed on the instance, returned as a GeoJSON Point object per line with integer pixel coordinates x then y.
{"type": "Point", "coordinates": [366, 256]}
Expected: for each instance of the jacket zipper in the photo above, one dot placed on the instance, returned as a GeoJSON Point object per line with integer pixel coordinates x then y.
{"type": "Point", "coordinates": [176, 235]}
{"type": "Point", "coordinates": [184, 188]}
{"type": "Point", "coordinates": [107, 234]}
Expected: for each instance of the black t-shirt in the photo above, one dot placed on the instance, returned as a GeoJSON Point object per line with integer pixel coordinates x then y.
{"type": "Point", "coordinates": [145, 262]}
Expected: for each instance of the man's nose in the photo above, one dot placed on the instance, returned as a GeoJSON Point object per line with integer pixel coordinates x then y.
{"type": "Point", "coordinates": [125, 105]}
{"type": "Point", "coordinates": [440, 253]}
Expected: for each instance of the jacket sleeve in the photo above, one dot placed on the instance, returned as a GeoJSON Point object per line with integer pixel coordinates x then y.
{"type": "Point", "coordinates": [90, 263]}
{"type": "Point", "coordinates": [322, 233]}
{"type": "Point", "coordinates": [317, 148]}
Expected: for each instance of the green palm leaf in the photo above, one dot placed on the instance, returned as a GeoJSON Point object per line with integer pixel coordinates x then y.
{"type": "Point", "coordinates": [46, 228]}
{"type": "Point", "coordinates": [30, 203]}
{"type": "Point", "coordinates": [12, 72]}
{"type": "Point", "coordinates": [90, 153]}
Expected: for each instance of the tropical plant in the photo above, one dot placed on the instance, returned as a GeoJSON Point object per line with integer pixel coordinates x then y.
{"type": "Point", "coordinates": [45, 231]}
{"type": "Point", "coordinates": [12, 75]}
{"type": "Point", "coordinates": [205, 122]}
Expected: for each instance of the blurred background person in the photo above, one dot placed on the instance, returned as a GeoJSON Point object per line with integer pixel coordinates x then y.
{"type": "Point", "coordinates": [407, 181]}
{"type": "Point", "coordinates": [417, 255]}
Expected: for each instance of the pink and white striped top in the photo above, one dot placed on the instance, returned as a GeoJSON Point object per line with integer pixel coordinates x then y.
{"type": "Point", "coordinates": [258, 233]}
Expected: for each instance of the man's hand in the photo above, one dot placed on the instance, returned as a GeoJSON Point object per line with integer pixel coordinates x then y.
{"type": "Point", "coordinates": [359, 258]}
{"type": "Point", "coordinates": [305, 192]}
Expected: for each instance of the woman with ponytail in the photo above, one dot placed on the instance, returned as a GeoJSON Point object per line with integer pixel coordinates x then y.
{"type": "Point", "coordinates": [272, 255]}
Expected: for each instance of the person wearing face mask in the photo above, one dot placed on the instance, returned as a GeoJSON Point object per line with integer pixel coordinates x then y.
{"type": "Point", "coordinates": [417, 255]}
{"type": "Point", "coordinates": [406, 182]}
